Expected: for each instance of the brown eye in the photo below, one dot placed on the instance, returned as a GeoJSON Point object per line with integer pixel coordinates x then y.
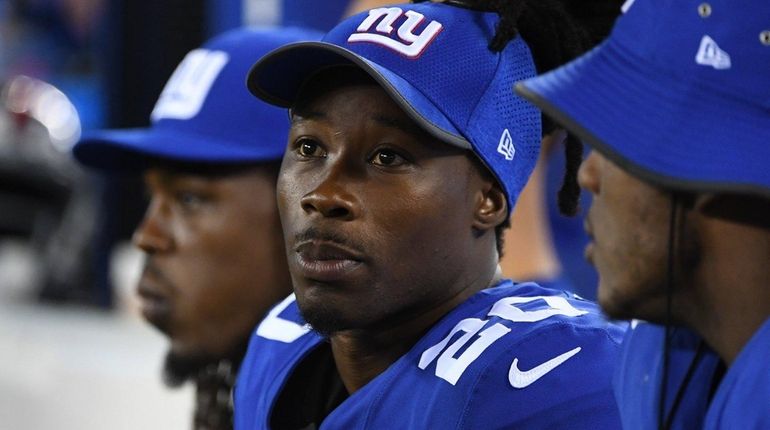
{"type": "Point", "coordinates": [387, 158]}
{"type": "Point", "coordinates": [190, 200]}
{"type": "Point", "coordinates": [309, 148]}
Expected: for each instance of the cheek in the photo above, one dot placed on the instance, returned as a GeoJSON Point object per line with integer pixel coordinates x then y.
{"type": "Point", "coordinates": [631, 230]}
{"type": "Point", "coordinates": [224, 290]}
{"type": "Point", "coordinates": [283, 189]}
{"type": "Point", "coordinates": [226, 248]}
{"type": "Point", "coordinates": [423, 232]}
{"type": "Point", "coordinates": [288, 194]}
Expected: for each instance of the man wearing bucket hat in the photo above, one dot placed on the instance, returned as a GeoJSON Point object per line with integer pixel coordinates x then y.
{"type": "Point", "coordinates": [675, 105]}
{"type": "Point", "coordinates": [406, 153]}
{"type": "Point", "coordinates": [211, 234]}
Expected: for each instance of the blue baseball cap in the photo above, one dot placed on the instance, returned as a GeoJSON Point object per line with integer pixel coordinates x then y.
{"type": "Point", "coordinates": [679, 94]}
{"type": "Point", "coordinates": [204, 114]}
{"type": "Point", "coordinates": [433, 60]}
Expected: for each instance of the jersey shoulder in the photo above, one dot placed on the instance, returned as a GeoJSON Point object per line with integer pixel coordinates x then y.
{"type": "Point", "coordinates": [280, 340]}
{"type": "Point", "coordinates": [639, 376]}
{"type": "Point", "coordinates": [546, 351]}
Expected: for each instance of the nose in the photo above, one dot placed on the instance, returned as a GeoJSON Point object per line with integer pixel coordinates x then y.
{"type": "Point", "coordinates": [331, 199]}
{"type": "Point", "coordinates": [152, 235]}
{"type": "Point", "coordinates": [588, 174]}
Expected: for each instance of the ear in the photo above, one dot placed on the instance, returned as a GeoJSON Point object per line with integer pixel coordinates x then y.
{"type": "Point", "coordinates": [492, 207]}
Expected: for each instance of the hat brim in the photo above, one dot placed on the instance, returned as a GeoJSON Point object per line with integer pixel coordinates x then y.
{"type": "Point", "coordinates": [656, 124]}
{"type": "Point", "coordinates": [137, 149]}
{"type": "Point", "coordinates": [279, 76]}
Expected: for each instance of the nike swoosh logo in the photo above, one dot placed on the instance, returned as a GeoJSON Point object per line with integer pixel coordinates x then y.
{"type": "Point", "coordinates": [523, 379]}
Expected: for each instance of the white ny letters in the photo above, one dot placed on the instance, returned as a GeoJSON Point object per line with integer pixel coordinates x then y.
{"type": "Point", "coordinates": [411, 45]}
{"type": "Point", "coordinates": [186, 90]}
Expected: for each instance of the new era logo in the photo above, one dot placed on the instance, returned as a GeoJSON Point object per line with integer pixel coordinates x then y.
{"type": "Point", "coordinates": [710, 54]}
{"type": "Point", "coordinates": [186, 90]}
{"type": "Point", "coordinates": [626, 6]}
{"type": "Point", "coordinates": [409, 43]}
{"type": "Point", "coordinates": [505, 147]}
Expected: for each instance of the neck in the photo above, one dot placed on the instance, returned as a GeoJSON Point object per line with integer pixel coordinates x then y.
{"type": "Point", "coordinates": [362, 354]}
{"type": "Point", "coordinates": [732, 287]}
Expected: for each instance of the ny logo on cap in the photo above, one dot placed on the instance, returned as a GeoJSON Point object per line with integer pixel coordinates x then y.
{"type": "Point", "coordinates": [186, 90]}
{"type": "Point", "coordinates": [411, 45]}
{"type": "Point", "coordinates": [710, 54]}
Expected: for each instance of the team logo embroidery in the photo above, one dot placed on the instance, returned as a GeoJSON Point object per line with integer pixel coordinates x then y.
{"type": "Point", "coordinates": [710, 54]}
{"type": "Point", "coordinates": [411, 45]}
{"type": "Point", "coordinates": [524, 378]}
{"type": "Point", "coordinates": [183, 96]}
{"type": "Point", "coordinates": [505, 147]}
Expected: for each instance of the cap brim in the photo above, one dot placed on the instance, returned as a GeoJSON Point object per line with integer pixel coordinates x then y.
{"type": "Point", "coordinates": [663, 129]}
{"type": "Point", "coordinates": [279, 76]}
{"type": "Point", "coordinates": [136, 149]}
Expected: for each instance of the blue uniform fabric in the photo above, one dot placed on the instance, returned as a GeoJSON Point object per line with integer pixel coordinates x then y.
{"type": "Point", "coordinates": [742, 397]}
{"type": "Point", "coordinates": [458, 376]}
{"type": "Point", "coordinates": [637, 383]}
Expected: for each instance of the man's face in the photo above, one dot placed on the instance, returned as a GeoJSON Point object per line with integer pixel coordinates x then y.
{"type": "Point", "coordinates": [215, 261]}
{"type": "Point", "coordinates": [629, 226]}
{"type": "Point", "coordinates": [377, 215]}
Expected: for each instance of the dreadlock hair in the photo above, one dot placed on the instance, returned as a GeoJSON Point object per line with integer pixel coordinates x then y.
{"type": "Point", "coordinates": [556, 32]}
{"type": "Point", "coordinates": [554, 38]}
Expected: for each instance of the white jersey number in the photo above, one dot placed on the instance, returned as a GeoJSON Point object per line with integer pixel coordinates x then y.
{"type": "Point", "coordinates": [274, 327]}
{"type": "Point", "coordinates": [451, 369]}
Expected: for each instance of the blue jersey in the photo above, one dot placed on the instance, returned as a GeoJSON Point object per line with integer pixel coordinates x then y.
{"type": "Point", "coordinates": [710, 399]}
{"type": "Point", "coordinates": [513, 356]}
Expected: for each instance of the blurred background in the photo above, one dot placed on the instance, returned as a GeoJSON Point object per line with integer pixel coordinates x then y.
{"type": "Point", "coordinates": [74, 352]}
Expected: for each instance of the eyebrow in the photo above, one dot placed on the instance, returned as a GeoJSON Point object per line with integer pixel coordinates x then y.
{"type": "Point", "coordinates": [408, 127]}
{"type": "Point", "coordinates": [405, 126]}
{"type": "Point", "coordinates": [171, 178]}
{"type": "Point", "coordinates": [305, 115]}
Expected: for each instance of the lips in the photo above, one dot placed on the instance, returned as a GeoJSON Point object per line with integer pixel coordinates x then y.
{"type": "Point", "coordinates": [327, 261]}
{"type": "Point", "coordinates": [155, 306]}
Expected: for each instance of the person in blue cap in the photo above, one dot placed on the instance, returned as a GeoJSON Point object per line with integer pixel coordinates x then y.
{"type": "Point", "coordinates": [675, 105]}
{"type": "Point", "coordinates": [214, 249]}
{"type": "Point", "coordinates": [406, 153]}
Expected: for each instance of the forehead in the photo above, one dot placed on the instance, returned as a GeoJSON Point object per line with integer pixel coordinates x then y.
{"type": "Point", "coordinates": [351, 94]}
{"type": "Point", "coordinates": [330, 82]}
{"type": "Point", "coordinates": [169, 173]}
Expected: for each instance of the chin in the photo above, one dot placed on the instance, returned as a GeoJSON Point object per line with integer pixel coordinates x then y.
{"type": "Point", "coordinates": [625, 307]}
{"type": "Point", "coordinates": [163, 325]}
{"type": "Point", "coordinates": [180, 367]}
{"type": "Point", "coordinates": [324, 320]}
{"type": "Point", "coordinates": [613, 305]}
{"type": "Point", "coordinates": [183, 361]}
{"type": "Point", "coordinates": [613, 312]}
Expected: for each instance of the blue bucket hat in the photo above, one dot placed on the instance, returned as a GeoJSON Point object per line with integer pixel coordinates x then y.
{"type": "Point", "coordinates": [433, 60]}
{"type": "Point", "coordinates": [204, 114]}
{"type": "Point", "coordinates": [679, 94]}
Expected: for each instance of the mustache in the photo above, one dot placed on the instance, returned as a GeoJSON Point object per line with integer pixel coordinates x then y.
{"type": "Point", "coordinates": [152, 270]}
{"type": "Point", "coordinates": [316, 234]}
